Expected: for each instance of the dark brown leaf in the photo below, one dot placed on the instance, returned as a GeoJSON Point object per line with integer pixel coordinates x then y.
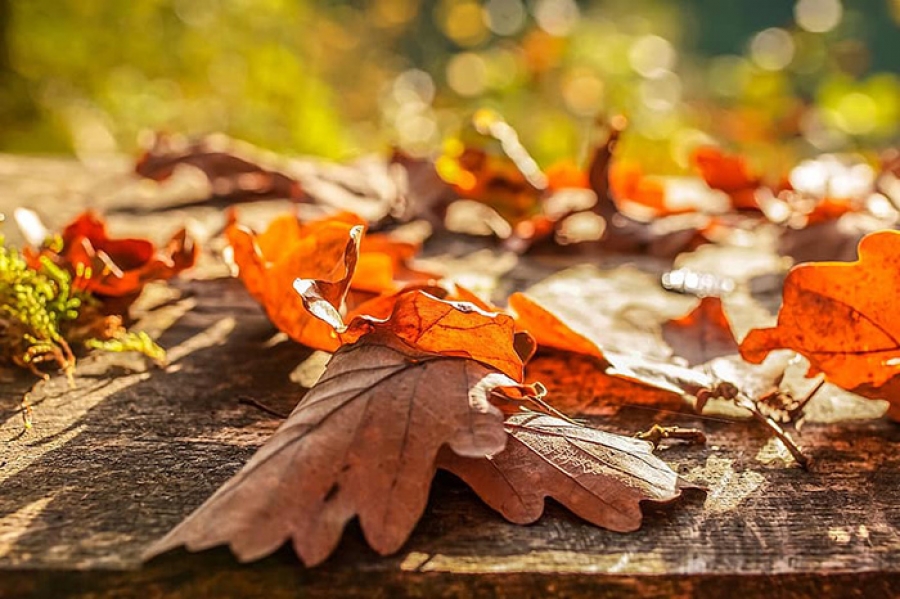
{"type": "Point", "coordinates": [234, 169]}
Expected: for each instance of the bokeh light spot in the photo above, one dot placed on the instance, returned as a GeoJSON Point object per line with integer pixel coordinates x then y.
{"type": "Point", "coordinates": [467, 74]}
{"type": "Point", "coordinates": [651, 56]}
{"type": "Point", "coordinates": [772, 49]}
{"type": "Point", "coordinates": [818, 16]}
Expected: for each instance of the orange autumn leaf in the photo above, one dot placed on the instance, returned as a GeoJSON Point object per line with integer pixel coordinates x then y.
{"type": "Point", "coordinates": [566, 174]}
{"type": "Point", "coordinates": [321, 250]}
{"type": "Point", "coordinates": [729, 173]}
{"type": "Point", "coordinates": [116, 268]}
{"type": "Point", "coordinates": [830, 209]}
{"type": "Point", "coordinates": [842, 317]}
{"type": "Point", "coordinates": [269, 262]}
{"type": "Point", "coordinates": [450, 328]}
{"type": "Point", "coordinates": [547, 328]}
{"type": "Point", "coordinates": [628, 183]}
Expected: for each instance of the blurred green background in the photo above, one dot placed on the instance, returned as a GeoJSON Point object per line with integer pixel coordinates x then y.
{"type": "Point", "coordinates": [341, 78]}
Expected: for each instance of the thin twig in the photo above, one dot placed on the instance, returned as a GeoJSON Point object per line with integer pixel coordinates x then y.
{"type": "Point", "coordinates": [657, 433]}
{"type": "Point", "coordinates": [249, 401]}
{"type": "Point", "coordinates": [26, 413]}
{"type": "Point", "coordinates": [749, 405]}
{"type": "Point", "coordinates": [801, 404]}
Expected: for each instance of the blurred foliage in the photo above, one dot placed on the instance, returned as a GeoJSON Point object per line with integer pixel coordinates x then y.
{"type": "Point", "coordinates": [776, 78]}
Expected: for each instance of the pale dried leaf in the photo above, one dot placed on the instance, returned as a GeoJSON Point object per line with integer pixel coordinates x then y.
{"type": "Point", "coordinates": [600, 476]}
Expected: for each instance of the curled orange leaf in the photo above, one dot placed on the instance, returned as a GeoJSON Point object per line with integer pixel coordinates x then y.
{"type": "Point", "coordinates": [268, 263]}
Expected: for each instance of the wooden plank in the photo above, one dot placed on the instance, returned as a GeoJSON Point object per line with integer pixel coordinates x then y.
{"type": "Point", "coordinates": [115, 462]}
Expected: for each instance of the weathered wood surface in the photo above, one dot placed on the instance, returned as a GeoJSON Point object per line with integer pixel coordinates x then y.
{"type": "Point", "coordinates": [115, 462]}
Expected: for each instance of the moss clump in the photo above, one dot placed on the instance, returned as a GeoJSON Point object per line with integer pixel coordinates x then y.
{"type": "Point", "coordinates": [42, 316]}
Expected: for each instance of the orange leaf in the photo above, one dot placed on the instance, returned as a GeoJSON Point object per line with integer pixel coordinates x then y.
{"type": "Point", "coordinates": [842, 318]}
{"type": "Point", "coordinates": [728, 173]}
{"type": "Point", "coordinates": [325, 251]}
{"type": "Point", "coordinates": [320, 251]}
{"type": "Point", "coordinates": [703, 334]}
{"type": "Point", "coordinates": [449, 328]}
{"type": "Point", "coordinates": [627, 182]}
{"type": "Point", "coordinates": [548, 330]}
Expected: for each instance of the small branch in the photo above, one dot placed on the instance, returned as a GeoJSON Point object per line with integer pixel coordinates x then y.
{"type": "Point", "coordinates": [749, 405]}
{"type": "Point", "coordinates": [797, 410]}
{"type": "Point", "coordinates": [657, 433]}
{"type": "Point", "coordinates": [249, 401]}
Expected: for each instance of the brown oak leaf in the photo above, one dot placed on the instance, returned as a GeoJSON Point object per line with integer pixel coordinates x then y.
{"type": "Point", "coordinates": [362, 443]}
{"type": "Point", "coordinates": [234, 169]}
{"type": "Point", "coordinates": [599, 476]}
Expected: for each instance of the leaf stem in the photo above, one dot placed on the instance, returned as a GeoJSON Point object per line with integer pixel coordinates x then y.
{"type": "Point", "coordinates": [249, 401]}
{"type": "Point", "coordinates": [748, 404]}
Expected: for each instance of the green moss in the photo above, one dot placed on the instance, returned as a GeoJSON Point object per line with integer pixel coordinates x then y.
{"type": "Point", "coordinates": [39, 307]}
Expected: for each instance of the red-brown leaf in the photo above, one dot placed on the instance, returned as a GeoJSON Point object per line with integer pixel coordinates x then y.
{"type": "Point", "coordinates": [117, 268]}
{"type": "Point", "coordinates": [703, 334]}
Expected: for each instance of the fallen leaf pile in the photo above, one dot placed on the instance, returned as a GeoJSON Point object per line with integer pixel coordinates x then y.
{"type": "Point", "coordinates": [425, 374]}
{"type": "Point", "coordinates": [365, 441]}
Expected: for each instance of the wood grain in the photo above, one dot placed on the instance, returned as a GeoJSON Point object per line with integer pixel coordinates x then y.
{"type": "Point", "coordinates": [115, 462]}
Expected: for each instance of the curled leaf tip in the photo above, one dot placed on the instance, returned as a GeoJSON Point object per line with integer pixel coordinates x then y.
{"type": "Point", "coordinates": [317, 305]}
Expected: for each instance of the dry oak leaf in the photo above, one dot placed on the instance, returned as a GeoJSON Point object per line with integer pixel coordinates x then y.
{"type": "Point", "coordinates": [729, 173]}
{"type": "Point", "coordinates": [599, 476]}
{"type": "Point", "coordinates": [362, 443]}
{"type": "Point", "coordinates": [268, 264]}
{"type": "Point", "coordinates": [116, 268]}
{"type": "Point", "coordinates": [233, 169]}
{"type": "Point", "coordinates": [842, 317]}
{"type": "Point", "coordinates": [703, 334]}
{"type": "Point", "coordinates": [450, 328]}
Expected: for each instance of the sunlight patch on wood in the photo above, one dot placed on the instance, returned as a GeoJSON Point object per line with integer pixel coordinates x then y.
{"type": "Point", "coordinates": [14, 525]}
{"type": "Point", "coordinates": [551, 561]}
{"type": "Point", "coordinates": [57, 408]}
{"type": "Point", "coordinates": [727, 488]}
